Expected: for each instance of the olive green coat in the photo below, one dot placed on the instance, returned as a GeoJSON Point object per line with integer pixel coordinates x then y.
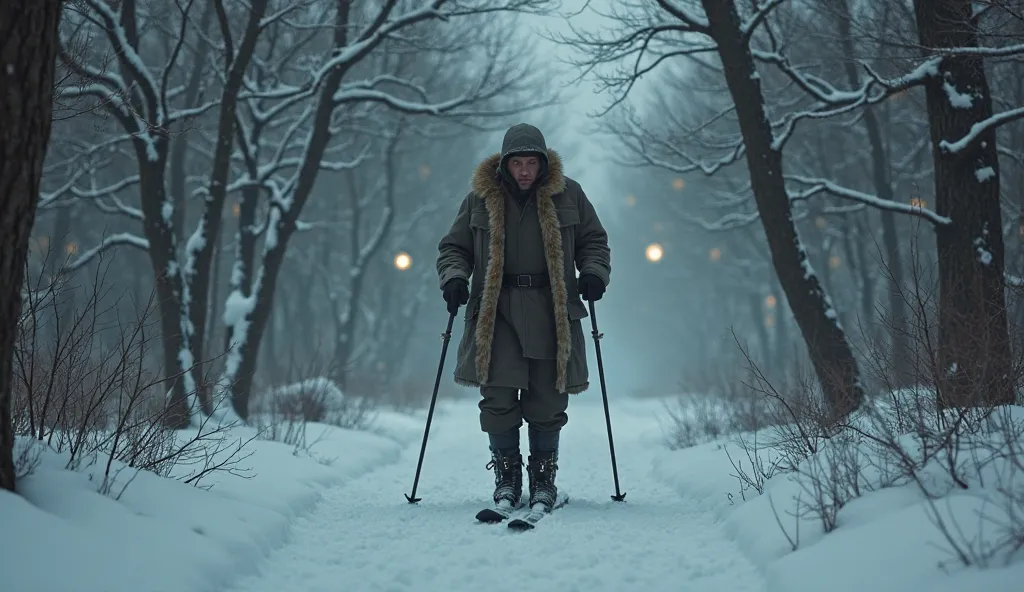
{"type": "Point", "coordinates": [569, 236]}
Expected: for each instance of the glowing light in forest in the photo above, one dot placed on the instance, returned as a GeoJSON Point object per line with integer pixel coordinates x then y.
{"type": "Point", "coordinates": [654, 253]}
{"type": "Point", "coordinates": [403, 261]}
{"type": "Point", "coordinates": [715, 254]}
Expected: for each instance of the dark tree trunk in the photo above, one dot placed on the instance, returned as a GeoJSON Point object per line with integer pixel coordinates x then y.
{"type": "Point", "coordinates": [163, 258]}
{"type": "Point", "coordinates": [827, 344]}
{"type": "Point", "coordinates": [902, 368]}
{"type": "Point", "coordinates": [246, 344]}
{"type": "Point", "coordinates": [760, 326]}
{"type": "Point", "coordinates": [867, 277]}
{"type": "Point", "coordinates": [975, 362]}
{"type": "Point", "coordinates": [200, 249]}
{"type": "Point", "coordinates": [28, 53]}
{"type": "Point", "coordinates": [179, 149]}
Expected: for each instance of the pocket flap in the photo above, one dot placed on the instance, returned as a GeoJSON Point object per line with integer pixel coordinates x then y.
{"type": "Point", "coordinates": [568, 217]}
{"type": "Point", "coordinates": [479, 219]}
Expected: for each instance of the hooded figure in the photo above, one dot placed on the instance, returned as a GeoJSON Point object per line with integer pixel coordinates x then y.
{"type": "Point", "coordinates": [511, 257]}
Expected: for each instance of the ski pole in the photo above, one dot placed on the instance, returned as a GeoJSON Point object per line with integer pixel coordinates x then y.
{"type": "Point", "coordinates": [619, 497]}
{"type": "Point", "coordinates": [445, 338]}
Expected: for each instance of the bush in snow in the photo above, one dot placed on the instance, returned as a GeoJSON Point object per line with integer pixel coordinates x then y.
{"type": "Point", "coordinates": [84, 386]}
{"type": "Point", "coordinates": [285, 413]}
{"type": "Point", "coordinates": [965, 464]}
{"type": "Point", "coordinates": [718, 403]}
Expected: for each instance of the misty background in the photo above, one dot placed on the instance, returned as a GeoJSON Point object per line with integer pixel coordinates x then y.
{"type": "Point", "coordinates": [356, 297]}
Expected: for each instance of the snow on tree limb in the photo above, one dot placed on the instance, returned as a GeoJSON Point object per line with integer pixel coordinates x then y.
{"type": "Point", "coordinates": [825, 185]}
{"type": "Point", "coordinates": [130, 60]}
{"type": "Point", "coordinates": [981, 127]}
{"type": "Point", "coordinates": [761, 12]}
{"type": "Point", "coordinates": [108, 242]}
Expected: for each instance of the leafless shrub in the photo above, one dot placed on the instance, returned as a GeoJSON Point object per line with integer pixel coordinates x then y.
{"type": "Point", "coordinates": [284, 413]}
{"type": "Point", "coordinates": [906, 436]}
{"type": "Point", "coordinates": [716, 403]}
{"type": "Point", "coordinates": [82, 388]}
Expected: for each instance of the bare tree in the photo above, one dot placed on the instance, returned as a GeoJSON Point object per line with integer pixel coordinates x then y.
{"type": "Point", "coordinates": [29, 29]}
{"type": "Point", "coordinates": [974, 343]}
{"type": "Point", "coordinates": [962, 123]}
{"type": "Point", "coordinates": [338, 100]}
{"type": "Point", "coordinates": [140, 101]}
{"type": "Point", "coordinates": [880, 177]}
{"type": "Point", "coordinates": [665, 32]}
{"type": "Point", "coordinates": [199, 249]}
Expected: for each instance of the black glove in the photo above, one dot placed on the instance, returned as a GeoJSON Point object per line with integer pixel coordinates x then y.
{"type": "Point", "coordinates": [591, 287]}
{"type": "Point", "coordinates": [456, 293]}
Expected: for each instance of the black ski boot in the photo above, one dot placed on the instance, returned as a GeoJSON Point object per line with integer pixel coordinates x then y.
{"type": "Point", "coordinates": [508, 478]}
{"type": "Point", "coordinates": [542, 469]}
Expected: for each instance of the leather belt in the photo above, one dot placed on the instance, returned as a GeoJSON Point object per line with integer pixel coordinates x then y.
{"type": "Point", "coordinates": [526, 280]}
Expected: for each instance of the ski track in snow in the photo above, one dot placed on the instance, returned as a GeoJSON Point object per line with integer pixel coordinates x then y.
{"type": "Point", "coordinates": [364, 536]}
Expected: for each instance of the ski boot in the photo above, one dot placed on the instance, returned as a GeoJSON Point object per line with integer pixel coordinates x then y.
{"type": "Point", "coordinates": [508, 485]}
{"type": "Point", "coordinates": [508, 477]}
{"type": "Point", "coordinates": [542, 469]}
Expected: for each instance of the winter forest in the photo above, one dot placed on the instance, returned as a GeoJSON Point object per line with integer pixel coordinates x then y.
{"type": "Point", "coordinates": [220, 311]}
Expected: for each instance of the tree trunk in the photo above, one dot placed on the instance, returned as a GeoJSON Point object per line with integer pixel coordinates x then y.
{"type": "Point", "coordinates": [975, 362]}
{"type": "Point", "coordinates": [902, 364]}
{"type": "Point", "coordinates": [179, 149]}
{"type": "Point", "coordinates": [28, 54]}
{"type": "Point", "coordinates": [201, 246]}
{"type": "Point", "coordinates": [163, 258]}
{"type": "Point", "coordinates": [757, 316]}
{"type": "Point", "coordinates": [827, 344]}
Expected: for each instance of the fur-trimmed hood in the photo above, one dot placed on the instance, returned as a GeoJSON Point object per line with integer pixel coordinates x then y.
{"type": "Point", "coordinates": [486, 184]}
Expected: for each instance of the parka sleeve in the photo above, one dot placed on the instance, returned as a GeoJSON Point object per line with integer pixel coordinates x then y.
{"type": "Point", "coordinates": [455, 251]}
{"type": "Point", "coordinates": [592, 252]}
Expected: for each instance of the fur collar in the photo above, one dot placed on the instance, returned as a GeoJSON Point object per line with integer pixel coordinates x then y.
{"type": "Point", "coordinates": [487, 186]}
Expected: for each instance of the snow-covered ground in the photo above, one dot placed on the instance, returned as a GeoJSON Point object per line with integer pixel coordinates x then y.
{"type": "Point", "coordinates": [161, 534]}
{"type": "Point", "coordinates": [677, 531]}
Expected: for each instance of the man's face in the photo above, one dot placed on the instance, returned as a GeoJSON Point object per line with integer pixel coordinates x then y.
{"type": "Point", "coordinates": [524, 169]}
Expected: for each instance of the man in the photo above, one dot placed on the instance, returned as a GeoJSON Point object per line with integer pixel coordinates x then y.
{"type": "Point", "coordinates": [520, 235]}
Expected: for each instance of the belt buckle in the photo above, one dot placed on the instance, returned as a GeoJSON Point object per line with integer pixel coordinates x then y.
{"type": "Point", "coordinates": [519, 281]}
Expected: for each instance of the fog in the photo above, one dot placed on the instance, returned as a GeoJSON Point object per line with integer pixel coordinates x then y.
{"type": "Point", "coordinates": [644, 325]}
{"type": "Point", "coordinates": [392, 173]}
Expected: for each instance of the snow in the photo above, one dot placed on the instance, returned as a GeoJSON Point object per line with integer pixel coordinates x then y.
{"type": "Point", "coordinates": [886, 536]}
{"type": "Point", "coordinates": [985, 174]}
{"type": "Point", "coordinates": [167, 212]}
{"type": "Point", "coordinates": [956, 98]}
{"type": "Point", "coordinates": [337, 516]}
{"type": "Point", "coordinates": [368, 537]}
{"type": "Point", "coordinates": [162, 534]}
{"type": "Point", "coordinates": [237, 309]}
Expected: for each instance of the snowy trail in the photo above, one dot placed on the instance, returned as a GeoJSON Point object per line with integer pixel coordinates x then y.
{"type": "Point", "coordinates": [364, 536]}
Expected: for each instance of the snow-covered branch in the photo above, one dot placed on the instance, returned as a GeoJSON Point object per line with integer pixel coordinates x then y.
{"type": "Point", "coordinates": [818, 185]}
{"type": "Point", "coordinates": [130, 60]}
{"type": "Point", "coordinates": [761, 12]}
{"type": "Point", "coordinates": [981, 127]}
{"type": "Point", "coordinates": [108, 242]}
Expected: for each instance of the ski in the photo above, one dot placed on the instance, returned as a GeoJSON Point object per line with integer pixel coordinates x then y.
{"type": "Point", "coordinates": [500, 512]}
{"type": "Point", "coordinates": [530, 521]}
